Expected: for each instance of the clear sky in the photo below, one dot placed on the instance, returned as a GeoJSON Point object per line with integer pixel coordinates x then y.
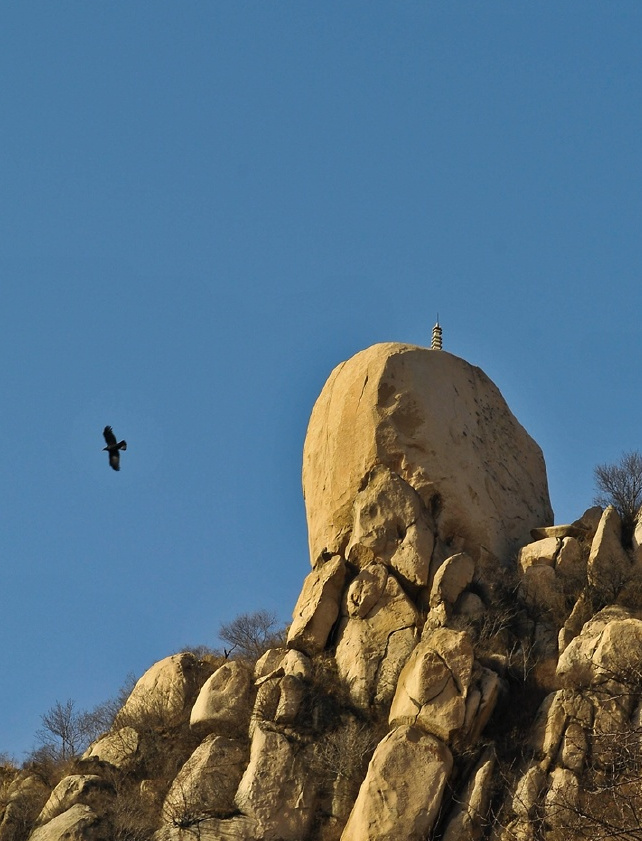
{"type": "Point", "coordinates": [206, 206]}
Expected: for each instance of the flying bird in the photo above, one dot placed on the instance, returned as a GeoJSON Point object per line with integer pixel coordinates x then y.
{"type": "Point", "coordinates": [113, 447]}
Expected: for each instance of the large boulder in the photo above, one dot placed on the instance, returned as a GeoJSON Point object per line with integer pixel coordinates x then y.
{"type": "Point", "coordinates": [432, 687]}
{"type": "Point", "coordinates": [120, 748]}
{"type": "Point", "coordinates": [317, 607]}
{"type": "Point", "coordinates": [440, 425]}
{"type": "Point", "coordinates": [402, 793]}
{"type": "Point", "coordinates": [608, 648]}
{"type": "Point", "coordinates": [224, 700]}
{"type": "Point", "coordinates": [206, 784]}
{"type": "Point", "coordinates": [165, 693]}
{"type": "Point", "coordinates": [469, 814]}
{"type": "Point", "coordinates": [451, 579]}
{"type": "Point", "coordinates": [86, 789]}
{"type": "Point", "coordinates": [79, 823]}
{"type": "Point", "coordinates": [609, 566]}
{"type": "Point", "coordinates": [22, 801]}
{"type": "Point", "coordinates": [277, 789]}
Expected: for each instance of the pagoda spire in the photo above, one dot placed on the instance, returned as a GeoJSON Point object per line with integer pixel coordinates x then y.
{"type": "Point", "coordinates": [436, 336]}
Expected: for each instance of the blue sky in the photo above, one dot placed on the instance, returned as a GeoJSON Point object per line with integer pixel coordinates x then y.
{"type": "Point", "coordinates": [205, 207]}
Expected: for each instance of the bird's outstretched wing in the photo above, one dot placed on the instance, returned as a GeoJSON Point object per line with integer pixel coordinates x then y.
{"type": "Point", "coordinates": [114, 459]}
{"type": "Point", "coordinates": [110, 438]}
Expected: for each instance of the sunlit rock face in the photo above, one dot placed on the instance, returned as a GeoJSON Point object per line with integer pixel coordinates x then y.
{"type": "Point", "coordinates": [427, 429]}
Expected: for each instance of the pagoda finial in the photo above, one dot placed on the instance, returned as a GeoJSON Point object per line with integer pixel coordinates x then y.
{"type": "Point", "coordinates": [436, 336]}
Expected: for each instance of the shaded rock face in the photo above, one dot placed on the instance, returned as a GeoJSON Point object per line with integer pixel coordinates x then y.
{"type": "Point", "coordinates": [446, 437]}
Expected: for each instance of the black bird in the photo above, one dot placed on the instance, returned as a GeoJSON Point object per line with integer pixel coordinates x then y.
{"type": "Point", "coordinates": [113, 447]}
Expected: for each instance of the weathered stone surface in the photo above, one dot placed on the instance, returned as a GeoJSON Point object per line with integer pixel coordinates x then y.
{"type": "Point", "coordinates": [87, 789]}
{"type": "Point", "coordinates": [543, 551]}
{"type": "Point", "coordinates": [297, 664]}
{"type": "Point", "coordinates": [165, 693]}
{"type": "Point", "coordinates": [590, 520]}
{"type": "Point", "coordinates": [481, 701]}
{"type": "Point", "coordinates": [608, 564]}
{"type": "Point", "coordinates": [569, 562]}
{"type": "Point", "coordinates": [432, 687]}
{"type": "Point", "coordinates": [224, 699]}
{"type": "Point", "coordinates": [469, 816]}
{"type": "Point", "coordinates": [578, 617]}
{"type": "Point", "coordinates": [451, 579]}
{"type": "Point", "coordinates": [562, 797]}
{"type": "Point", "coordinates": [239, 828]}
{"type": "Point", "coordinates": [574, 747]}
{"type": "Point", "coordinates": [317, 607]}
{"type": "Point", "coordinates": [270, 664]}
{"type": "Point", "coordinates": [571, 530]}
{"type": "Point", "coordinates": [365, 590]}
{"type": "Point", "coordinates": [291, 694]}
{"type": "Point", "coordinates": [579, 707]}
{"type": "Point", "coordinates": [205, 786]}
{"type": "Point", "coordinates": [79, 823]}
{"type": "Point", "coordinates": [402, 792]}
{"type": "Point", "coordinates": [470, 604]}
{"type": "Point", "coordinates": [277, 663]}
{"type": "Point", "coordinates": [548, 729]}
{"type": "Point", "coordinates": [608, 647]}
{"type": "Point", "coordinates": [411, 560]}
{"type": "Point", "coordinates": [265, 703]}
{"type": "Point", "coordinates": [280, 686]}
{"type": "Point", "coordinates": [443, 427]}
{"type": "Point", "coordinates": [544, 641]}
{"type": "Point", "coordinates": [277, 789]}
{"type": "Point", "coordinates": [371, 650]}
{"type": "Point", "coordinates": [23, 800]}
{"type": "Point", "coordinates": [637, 542]}
{"type": "Point", "coordinates": [528, 790]}
{"type": "Point", "coordinates": [119, 748]}
{"type": "Point", "coordinates": [542, 591]}
{"type": "Point", "coordinates": [391, 526]}
{"type": "Point", "coordinates": [612, 703]}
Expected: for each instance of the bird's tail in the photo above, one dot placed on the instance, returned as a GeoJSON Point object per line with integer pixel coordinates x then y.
{"type": "Point", "coordinates": [122, 445]}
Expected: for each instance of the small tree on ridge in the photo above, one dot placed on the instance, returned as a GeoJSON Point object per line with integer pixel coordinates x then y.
{"type": "Point", "coordinates": [251, 634]}
{"type": "Point", "coordinates": [620, 485]}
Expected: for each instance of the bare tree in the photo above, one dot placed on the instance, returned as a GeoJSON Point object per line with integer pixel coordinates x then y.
{"type": "Point", "coordinates": [251, 634]}
{"type": "Point", "coordinates": [99, 720]}
{"type": "Point", "coordinates": [620, 485]}
{"type": "Point", "coordinates": [64, 731]}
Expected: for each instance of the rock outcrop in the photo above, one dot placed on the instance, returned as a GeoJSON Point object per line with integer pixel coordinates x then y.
{"type": "Point", "coordinates": [457, 666]}
{"type": "Point", "coordinates": [400, 431]}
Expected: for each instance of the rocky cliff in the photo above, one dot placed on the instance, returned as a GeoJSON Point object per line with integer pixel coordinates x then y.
{"type": "Point", "coordinates": [457, 667]}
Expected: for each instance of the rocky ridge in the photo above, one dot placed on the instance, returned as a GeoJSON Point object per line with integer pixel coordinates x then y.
{"type": "Point", "coordinates": [457, 667]}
